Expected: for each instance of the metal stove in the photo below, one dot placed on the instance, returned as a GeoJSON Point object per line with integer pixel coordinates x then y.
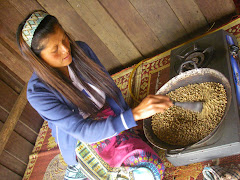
{"type": "Point", "coordinates": [218, 51]}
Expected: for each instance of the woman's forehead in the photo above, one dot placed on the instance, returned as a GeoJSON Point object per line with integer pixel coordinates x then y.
{"type": "Point", "coordinates": [54, 38]}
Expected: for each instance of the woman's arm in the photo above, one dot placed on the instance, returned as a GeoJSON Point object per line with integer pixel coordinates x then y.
{"type": "Point", "coordinates": [67, 118]}
{"type": "Point", "coordinates": [151, 105]}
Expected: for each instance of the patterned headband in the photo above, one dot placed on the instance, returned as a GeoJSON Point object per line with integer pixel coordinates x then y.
{"type": "Point", "coordinates": [31, 25]}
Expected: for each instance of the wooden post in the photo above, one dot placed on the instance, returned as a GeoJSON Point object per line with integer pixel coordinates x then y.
{"type": "Point", "coordinates": [13, 118]}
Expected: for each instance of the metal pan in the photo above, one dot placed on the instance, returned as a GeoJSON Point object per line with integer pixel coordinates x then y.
{"type": "Point", "coordinates": [197, 75]}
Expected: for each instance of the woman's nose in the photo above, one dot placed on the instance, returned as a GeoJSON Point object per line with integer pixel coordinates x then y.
{"type": "Point", "coordinates": [65, 49]}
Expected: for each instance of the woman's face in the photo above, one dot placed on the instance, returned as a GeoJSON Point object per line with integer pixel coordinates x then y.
{"type": "Point", "coordinates": [57, 51]}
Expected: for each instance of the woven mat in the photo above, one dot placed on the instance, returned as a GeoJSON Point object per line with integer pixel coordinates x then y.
{"type": "Point", "coordinates": [45, 162]}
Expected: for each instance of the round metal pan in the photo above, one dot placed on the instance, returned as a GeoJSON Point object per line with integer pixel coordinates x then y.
{"type": "Point", "coordinates": [197, 75]}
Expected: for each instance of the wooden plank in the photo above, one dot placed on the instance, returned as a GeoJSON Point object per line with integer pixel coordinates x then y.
{"type": "Point", "coordinates": [189, 14]}
{"type": "Point", "coordinates": [12, 119]}
{"type": "Point", "coordinates": [18, 147]}
{"type": "Point", "coordinates": [106, 29]}
{"type": "Point", "coordinates": [27, 132]}
{"type": "Point", "coordinates": [10, 78]}
{"type": "Point", "coordinates": [29, 117]}
{"type": "Point", "coordinates": [10, 19]}
{"type": "Point", "coordinates": [12, 163]}
{"type": "Point", "coordinates": [7, 96]}
{"type": "Point", "coordinates": [112, 16]}
{"type": "Point", "coordinates": [25, 7]}
{"type": "Point", "coordinates": [14, 61]}
{"type": "Point", "coordinates": [12, 13]}
{"type": "Point", "coordinates": [7, 174]}
{"type": "Point", "coordinates": [74, 24]}
{"type": "Point", "coordinates": [3, 115]}
{"type": "Point", "coordinates": [216, 9]}
{"type": "Point", "coordinates": [162, 20]}
{"type": "Point", "coordinates": [22, 128]}
{"type": "Point", "coordinates": [20, 9]}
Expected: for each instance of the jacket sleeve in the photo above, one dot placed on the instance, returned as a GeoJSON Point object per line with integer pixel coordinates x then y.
{"type": "Point", "coordinates": [69, 120]}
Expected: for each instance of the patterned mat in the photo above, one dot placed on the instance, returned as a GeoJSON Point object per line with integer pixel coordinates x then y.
{"type": "Point", "coordinates": [45, 162]}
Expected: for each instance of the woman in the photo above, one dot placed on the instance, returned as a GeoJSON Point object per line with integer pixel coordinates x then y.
{"type": "Point", "coordinates": [85, 110]}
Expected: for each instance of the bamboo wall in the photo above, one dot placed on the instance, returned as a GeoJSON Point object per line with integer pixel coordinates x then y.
{"type": "Point", "coordinates": [121, 32]}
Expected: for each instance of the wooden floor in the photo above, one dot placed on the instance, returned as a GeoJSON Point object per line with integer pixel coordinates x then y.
{"type": "Point", "coordinates": [120, 32]}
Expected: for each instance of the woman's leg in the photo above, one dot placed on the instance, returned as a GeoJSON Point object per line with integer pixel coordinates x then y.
{"type": "Point", "coordinates": [123, 155]}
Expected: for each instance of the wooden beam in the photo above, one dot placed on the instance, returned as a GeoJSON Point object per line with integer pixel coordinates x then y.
{"type": "Point", "coordinates": [22, 127]}
{"type": "Point", "coordinates": [12, 119]}
{"type": "Point", "coordinates": [29, 122]}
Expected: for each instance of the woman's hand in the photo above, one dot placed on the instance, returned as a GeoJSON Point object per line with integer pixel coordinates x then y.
{"type": "Point", "coordinates": [151, 105]}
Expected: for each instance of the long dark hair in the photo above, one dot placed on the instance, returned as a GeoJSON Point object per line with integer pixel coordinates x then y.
{"type": "Point", "coordinates": [81, 65]}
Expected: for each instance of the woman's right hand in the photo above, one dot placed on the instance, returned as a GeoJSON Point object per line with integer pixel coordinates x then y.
{"type": "Point", "coordinates": [151, 105]}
